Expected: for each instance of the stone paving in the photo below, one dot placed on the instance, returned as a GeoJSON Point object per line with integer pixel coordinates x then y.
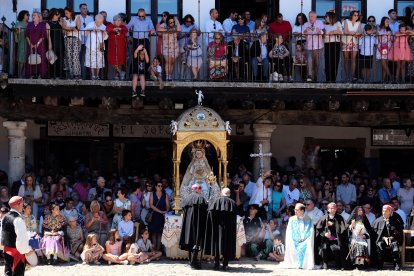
{"type": "Point", "coordinates": [168, 267]}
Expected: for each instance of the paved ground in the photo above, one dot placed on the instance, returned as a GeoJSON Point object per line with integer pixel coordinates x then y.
{"type": "Point", "coordinates": [169, 267]}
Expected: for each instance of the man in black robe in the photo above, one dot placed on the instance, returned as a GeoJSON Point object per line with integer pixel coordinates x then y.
{"type": "Point", "coordinates": [194, 225]}
{"type": "Point", "coordinates": [389, 230]}
{"type": "Point", "coordinates": [221, 229]}
{"type": "Point", "coordinates": [334, 237]}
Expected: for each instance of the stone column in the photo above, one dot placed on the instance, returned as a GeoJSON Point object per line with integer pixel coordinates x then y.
{"type": "Point", "coordinates": [17, 149]}
{"type": "Point", "coordinates": [262, 134]}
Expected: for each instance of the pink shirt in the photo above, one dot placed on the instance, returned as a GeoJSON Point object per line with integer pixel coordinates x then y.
{"type": "Point", "coordinates": [114, 249]}
{"type": "Point", "coordinates": [314, 40]}
{"type": "Point", "coordinates": [82, 191]}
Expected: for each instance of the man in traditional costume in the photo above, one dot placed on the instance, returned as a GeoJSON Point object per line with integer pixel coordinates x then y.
{"type": "Point", "coordinates": [334, 237]}
{"type": "Point", "coordinates": [299, 240]}
{"type": "Point", "coordinates": [198, 172]}
{"type": "Point", "coordinates": [15, 239]}
{"type": "Point", "coordinates": [389, 231]}
{"type": "Point", "coordinates": [194, 225]}
{"type": "Point", "coordinates": [221, 229]}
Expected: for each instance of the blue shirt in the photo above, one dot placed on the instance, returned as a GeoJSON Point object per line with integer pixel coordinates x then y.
{"type": "Point", "coordinates": [241, 29]}
{"type": "Point", "coordinates": [386, 196]}
{"type": "Point", "coordinates": [346, 193]}
{"type": "Point", "coordinates": [125, 228]}
{"type": "Point", "coordinates": [140, 28]}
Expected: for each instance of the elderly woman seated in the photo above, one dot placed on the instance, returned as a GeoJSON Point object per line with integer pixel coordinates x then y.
{"type": "Point", "coordinates": [217, 56]}
{"type": "Point", "coordinates": [53, 243]}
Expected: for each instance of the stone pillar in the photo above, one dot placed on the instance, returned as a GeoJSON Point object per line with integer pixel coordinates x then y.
{"type": "Point", "coordinates": [262, 134]}
{"type": "Point", "coordinates": [17, 149]}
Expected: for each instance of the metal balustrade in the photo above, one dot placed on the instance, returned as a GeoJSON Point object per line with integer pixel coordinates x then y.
{"type": "Point", "coordinates": [113, 55]}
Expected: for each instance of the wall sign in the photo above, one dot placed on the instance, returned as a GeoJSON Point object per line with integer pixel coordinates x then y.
{"type": "Point", "coordinates": [392, 137]}
{"type": "Point", "coordinates": [77, 129]}
{"type": "Point", "coordinates": [131, 131]}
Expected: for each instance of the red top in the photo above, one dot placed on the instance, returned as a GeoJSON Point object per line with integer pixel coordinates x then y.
{"type": "Point", "coordinates": [284, 28]}
{"type": "Point", "coordinates": [116, 45]}
{"type": "Point", "coordinates": [220, 50]}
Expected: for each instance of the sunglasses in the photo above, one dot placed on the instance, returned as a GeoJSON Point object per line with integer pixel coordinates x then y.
{"type": "Point", "coordinates": [108, 200]}
{"type": "Point", "coordinates": [307, 204]}
{"type": "Point", "coordinates": [188, 21]}
{"type": "Point", "coordinates": [159, 186]}
{"type": "Point", "coordinates": [141, 16]}
{"type": "Point", "coordinates": [214, 26]}
{"type": "Point", "coordinates": [171, 22]}
{"type": "Point", "coordinates": [217, 38]}
{"type": "Point", "coordinates": [84, 25]}
{"type": "Point", "coordinates": [371, 20]}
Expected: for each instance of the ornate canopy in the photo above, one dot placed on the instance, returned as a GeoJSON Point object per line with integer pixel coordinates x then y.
{"type": "Point", "coordinates": [199, 123]}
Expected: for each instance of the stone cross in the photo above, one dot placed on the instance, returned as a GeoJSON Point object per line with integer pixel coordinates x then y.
{"type": "Point", "coordinates": [261, 155]}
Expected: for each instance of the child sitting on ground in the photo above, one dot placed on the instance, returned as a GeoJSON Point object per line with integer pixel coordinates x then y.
{"type": "Point", "coordinates": [114, 249]}
{"type": "Point", "coordinates": [92, 251]}
{"type": "Point", "coordinates": [278, 252]}
{"type": "Point", "coordinates": [155, 71]}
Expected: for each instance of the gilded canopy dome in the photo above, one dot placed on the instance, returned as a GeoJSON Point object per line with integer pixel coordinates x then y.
{"type": "Point", "coordinates": [200, 118]}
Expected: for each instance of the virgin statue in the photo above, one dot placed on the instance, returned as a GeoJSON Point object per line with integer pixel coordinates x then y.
{"type": "Point", "coordinates": [199, 172]}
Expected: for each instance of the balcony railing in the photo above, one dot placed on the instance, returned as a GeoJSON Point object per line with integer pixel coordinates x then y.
{"type": "Point", "coordinates": [171, 56]}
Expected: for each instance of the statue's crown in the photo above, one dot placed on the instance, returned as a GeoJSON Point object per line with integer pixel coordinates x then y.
{"type": "Point", "coordinates": [199, 144]}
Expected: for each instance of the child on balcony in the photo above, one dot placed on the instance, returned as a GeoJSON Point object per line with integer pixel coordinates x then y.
{"type": "Point", "coordinates": [367, 46]}
{"type": "Point", "coordinates": [139, 65]}
{"type": "Point", "coordinates": [155, 71]}
{"type": "Point", "coordinates": [300, 59]}
{"type": "Point", "coordinates": [402, 52]}
{"type": "Point", "coordinates": [279, 56]}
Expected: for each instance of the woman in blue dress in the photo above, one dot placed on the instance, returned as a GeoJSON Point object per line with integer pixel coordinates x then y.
{"type": "Point", "coordinates": [160, 204]}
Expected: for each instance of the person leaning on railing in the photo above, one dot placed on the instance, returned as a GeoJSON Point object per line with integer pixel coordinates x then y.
{"type": "Point", "coordinates": [352, 32]}
{"type": "Point", "coordinates": [72, 45]}
{"type": "Point", "coordinates": [117, 47]}
{"type": "Point", "coordinates": [333, 31]}
{"type": "Point", "coordinates": [141, 27]}
{"type": "Point", "coordinates": [36, 36]}
{"type": "Point", "coordinates": [57, 44]}
{"type": "Point", "coordinates": [20, 28]}
{"type": "Point", "coordinates": [384, 49]}
{"type": "Point", "coordinates": [169, 47]}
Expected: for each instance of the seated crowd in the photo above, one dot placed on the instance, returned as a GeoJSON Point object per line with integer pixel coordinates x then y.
{"type": "Point", "coordinates": [62, 45]}
{"type": "Point", "coordinates": [358, 221]}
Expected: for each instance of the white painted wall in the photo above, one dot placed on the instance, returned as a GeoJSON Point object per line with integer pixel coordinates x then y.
{"type": "Point", "coordinates": [379, 8]}
{"type": "Point", "coordinates": [191, 7]}
{"type": "Point", "coordinates": [290, 8]}
{"type": "Point", "coordinates": [112, 8]}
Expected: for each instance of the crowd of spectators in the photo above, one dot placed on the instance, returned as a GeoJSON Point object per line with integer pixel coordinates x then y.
{"type": "Point", "coordinates": [58, 44]}
{"type": "Point", "coordinates": [82, 216]}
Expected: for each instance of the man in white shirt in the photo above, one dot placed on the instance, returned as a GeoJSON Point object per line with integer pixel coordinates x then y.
{"type": "Point", "coordinates": [312, 211]}
{"type": "Point", "coordinates": [262, 195]}
{"type": "Point", "coordinates": [370, 216]}
{"type": "Point", "coordinates": [291, 193]}
{"type": "Point", "coordinates": [228, 24]}
{"type": "Point", "coordinates": [82, 20]}
{"type": "Point", "coordinates": [15, 238]}
{"type": "Point", "coordinates": [340, 210]}
{"type": "Point", "coordinates": [212, 26]}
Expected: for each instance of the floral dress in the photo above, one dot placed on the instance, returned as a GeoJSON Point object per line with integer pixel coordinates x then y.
{"type": "Point", "coordinates": [53, 243]}
{"type": "Point", "coordinates": [169, 42]}
{"type": "Point", "coordinates": [384, 48]}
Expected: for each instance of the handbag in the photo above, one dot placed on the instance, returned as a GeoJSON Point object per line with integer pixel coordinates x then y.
{"type": "Point", "coordinates": [34, 59]}
{"type": "Point", "coordinates": [148, 217]}
{"type": "Point", "coordinates": [51, 56]}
